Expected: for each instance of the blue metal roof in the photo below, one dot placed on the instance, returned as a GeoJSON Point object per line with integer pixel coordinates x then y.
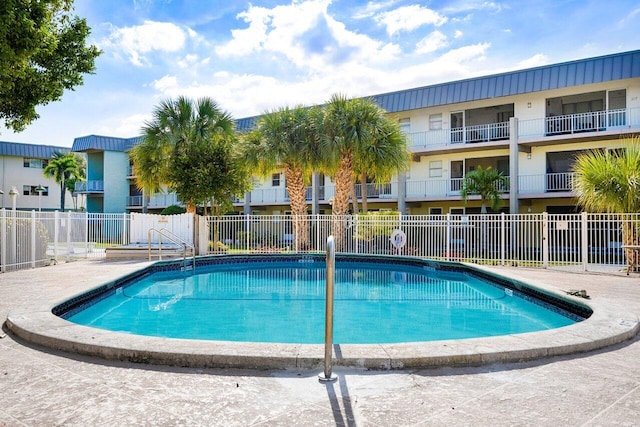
{"type": "Point", "coordinates": [104, 143]}
{"type": "Point", "coordinates": [600, 69]}
{"type": "Point", "coordinates": [31, 151]}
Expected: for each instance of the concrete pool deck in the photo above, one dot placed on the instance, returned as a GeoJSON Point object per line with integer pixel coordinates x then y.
{"type": "Point", "coordinates": [48, 387]}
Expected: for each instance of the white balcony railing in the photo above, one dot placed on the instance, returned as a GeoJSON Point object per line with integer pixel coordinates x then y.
{"type": "Point", "coordinates": [134, 201]}
{"type": "Point", "coordinates": [464, 135]}
{"type": "Point", "coordinates": [163, 200]}
{"type": "Point", "coordinates": [440, 188]}
{"type": "Point", "coordinates": [91, 186]}
{"type": "Point", "coordinates": [546, 183]}
{"type": "Point", "coordinates": [596, 121]}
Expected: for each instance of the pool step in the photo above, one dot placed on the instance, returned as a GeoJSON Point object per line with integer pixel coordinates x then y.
{"type": "Point", "coordinates": [142, 252]}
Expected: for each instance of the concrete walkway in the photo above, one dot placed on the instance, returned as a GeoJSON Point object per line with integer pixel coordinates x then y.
{"type": "Point", "coordinates": [41, 387]}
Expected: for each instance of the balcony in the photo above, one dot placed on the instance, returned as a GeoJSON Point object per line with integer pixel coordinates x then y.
{"type": "Point", "coordinates": [571, 126]}
{"type": "Point", "coordinates": [457, 137]}
{"type": "Point", "coordinates": [605, 122]}
{"type": "Point", "coordinates": [546, 183]}
{"type": "Point", "coordinates": [158, 201]}
{"type": "Point", "coordinates": [437, 189]}
{"type": "Point", "coordinates": [134, 202]}
{"type": "Point", "coordinates": [89, 187]}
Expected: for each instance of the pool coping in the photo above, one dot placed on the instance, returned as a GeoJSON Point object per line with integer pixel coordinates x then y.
{"type": "Point", "coordinates": [610, 323]}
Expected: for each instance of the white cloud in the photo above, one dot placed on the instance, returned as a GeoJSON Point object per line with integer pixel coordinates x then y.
{"type": "Point", "coordinates": [139, 40]}
{"type": "Point", "coordinates": [434, 41]}
{"type": "Point", "coordinates": [165, 83]}
{"type": "Point", "coordinates": [130, 125]}
{"type": "Point", "coordinates": [306, 35]}
{"type": "Point", "coordinates": [372, 8]}
{"type": "Point", "coordinates": [457, 34]}
{"type": "Point", "coordinates": [408, 18]}
{"type": "Point", "coordinates": [535, 61]}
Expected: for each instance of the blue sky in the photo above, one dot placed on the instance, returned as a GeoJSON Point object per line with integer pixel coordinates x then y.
{"type": "Point", "coordinates": [251, 57]}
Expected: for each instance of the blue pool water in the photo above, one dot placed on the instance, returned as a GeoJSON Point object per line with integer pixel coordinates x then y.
{"type": "Point", "coordinates": [284, 302]}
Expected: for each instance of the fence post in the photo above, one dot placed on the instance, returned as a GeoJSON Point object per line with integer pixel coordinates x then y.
{"type": "Point", "coordinates": [124, 229]}
{"type": "Point", "coordinates": [502, 237]}
{"type": "Point", "coordinates": [33, 239]}
{"type": "Point", "coordinates": [448, 233]}
{"type": "Point", "coordinates": [246, 237]}
{"type": "Point", "coordinates": [69, 245]}
{"type": "Point", "coordinates": [545, 239]}
{"type": "Point", "coordinates": [585, 240]}
{"type": "Point", "coordinates": [3, 240]}
{"type": "Point", "coordinates": [56, 234]}
{"type": "Point", "coordinates": [318, 219]}
{"type": "Point", "coordinates": [87, 243]}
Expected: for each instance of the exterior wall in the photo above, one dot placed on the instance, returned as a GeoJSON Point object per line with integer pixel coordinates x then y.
{"type": "Point", "coordinates": [116, 185]}
{"type": "Point", "coordinates": [14, 174]}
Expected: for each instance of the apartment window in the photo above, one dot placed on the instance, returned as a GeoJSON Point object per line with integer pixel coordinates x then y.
{"type": "Point", "coordinates": [275, 180]}
{"type": "Point", "coordinates": [405, 125]}
{"type": "Point", "coordinates": [435, 121]}
{"type": "Point", "coordinates": [30, 190]}
{"type": "Point", "coordinates": [435, 211]}
{"type": "Point", "coordinates": [35, 163]}
{"type": "Point", "coordinates": [435, 169]}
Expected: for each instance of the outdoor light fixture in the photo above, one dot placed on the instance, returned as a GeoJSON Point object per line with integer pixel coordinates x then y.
{"type": "Point", "coordinates": [39, 189]}
{"type": "Point", "coordinates": [13, 193]}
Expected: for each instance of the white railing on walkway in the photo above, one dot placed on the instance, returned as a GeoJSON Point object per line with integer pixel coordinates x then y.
{"type": "Point", "coordinates": [591, 242]}
{"type": "Point", "coordinates": [595, 121]}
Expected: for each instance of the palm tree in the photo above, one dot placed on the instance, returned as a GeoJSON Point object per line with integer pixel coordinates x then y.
{"type": "Point", "coordinates": [176, 125]}
{"type": "Point", "coordinates": [385, 155]}
{"type": "Point", "coordinates": [286, 139]}
{"type": "Point", "coordinates": [63, 167]}
{"type": "Point", "coordinates": [609, 181]}
{"type": "Point", "coordinates": [487, 184]}
{"type": "Point", "coordinates": [355, 130]}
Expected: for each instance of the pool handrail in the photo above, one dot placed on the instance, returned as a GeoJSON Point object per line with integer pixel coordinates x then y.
{"type": "Point", "coordinates": [173, 238]}
{"type": "Point", "coordinates": [328, 319]}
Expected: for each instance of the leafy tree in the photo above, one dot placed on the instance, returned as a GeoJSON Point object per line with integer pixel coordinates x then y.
{"type": "Point", "coordinates": [287, 139]}
{"type": "Point", "coordinates": [355, 130]}
{"type": "Point", "coordinates": [189, 147]}
{"type": "Point", "coordinates": [385, 155]}
{"type": "Point", "coordinates": [43, 51]}
{"type": "Point", "coordinates": [486, 183]}
{"type": "Point", "coordinates": [65, 167]}
{"type": "Point", "coordinates": [609, 181]}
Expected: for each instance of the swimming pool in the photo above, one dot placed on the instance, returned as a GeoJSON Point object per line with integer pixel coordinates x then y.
{"type": "Point", "coordinates": [280, 299]}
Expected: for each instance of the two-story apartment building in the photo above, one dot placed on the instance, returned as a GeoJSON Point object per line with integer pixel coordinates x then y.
{"type": "Point", "coordinates": [528, 124]}
{"type": "Point", "coordinates": [21, 168]}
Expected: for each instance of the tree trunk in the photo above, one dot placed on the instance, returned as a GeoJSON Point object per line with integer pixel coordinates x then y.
{"type": "Point", "coordinates": [63, 190]}
{"type": "Point", "coordinates": [344, 184]}
{"type": "Point", "coordinates": [630, 236]}
{"type": "Point", "coordinates": [298, 201]}
{"type": "Point", "coordinates": [363, 185]}
{"type": "Point", "coordinates": [191, 208]}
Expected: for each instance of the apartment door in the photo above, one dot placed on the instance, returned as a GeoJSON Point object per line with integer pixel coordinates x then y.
{"type": "Point", "coordinates": [617, 108]}
{"type": "Point", "coordinates": [457, 127]}
{"type": "Point", "coordinates": [457, 175]}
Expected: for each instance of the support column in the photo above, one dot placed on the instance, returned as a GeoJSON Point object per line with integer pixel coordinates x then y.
{"type": "Point", "coordinates": [402, 193]}
{"type": "Point", "coordinates": [514, 204]}
{"type": "Point", "coordinates": [315, 193]}
{"type": "Point", "coordinates": [247, 203]}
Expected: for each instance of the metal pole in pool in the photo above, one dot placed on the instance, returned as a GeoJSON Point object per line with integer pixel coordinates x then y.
{"type": "Point", "coordinates": [328, 319]}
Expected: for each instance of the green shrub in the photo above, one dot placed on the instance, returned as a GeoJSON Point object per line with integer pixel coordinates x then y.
{"type": "Point", "coordinates": [173, 210]}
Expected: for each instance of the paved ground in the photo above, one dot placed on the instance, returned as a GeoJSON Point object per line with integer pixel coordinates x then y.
{"type": "Point", "coordinates": [42, 388]}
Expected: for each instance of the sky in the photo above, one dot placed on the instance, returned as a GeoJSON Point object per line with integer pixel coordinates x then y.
{"type": "Point", "coordinates": [253, 57]}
